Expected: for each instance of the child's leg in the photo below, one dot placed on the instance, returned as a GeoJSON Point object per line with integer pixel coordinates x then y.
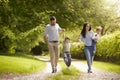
{"type": "Point", "coordinates": [65, 58]}
{"type": "Point", "coordinates": [94, 51]}
{"type": "Point", "coordinates": [69, 59]}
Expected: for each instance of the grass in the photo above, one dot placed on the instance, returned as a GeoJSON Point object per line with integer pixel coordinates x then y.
{"type": "Point", "coordinates": [107, 66]}
{"type": "Point", "coordinates": [72, 74]}
{"type": "Point", "coordinates": [111, 67]}
{"type": "Point", "coordinates": [22, 64]}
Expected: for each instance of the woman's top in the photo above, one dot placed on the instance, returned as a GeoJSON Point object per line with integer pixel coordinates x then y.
{"type": "Point", "coordinates": [88, 39]}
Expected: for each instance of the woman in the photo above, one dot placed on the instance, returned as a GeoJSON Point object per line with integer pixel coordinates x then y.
{"type": "Point", "coordinates": [86, 37]}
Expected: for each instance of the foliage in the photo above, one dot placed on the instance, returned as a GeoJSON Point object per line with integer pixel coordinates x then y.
{"type": "Point", "coordinates": [29, 39]}
{"type": "Point", "coordinates": [108, 48]}
{"type": "Point", "coordinates": [22, 21]}
{"type": "Point", "coordinates": [111, 49]}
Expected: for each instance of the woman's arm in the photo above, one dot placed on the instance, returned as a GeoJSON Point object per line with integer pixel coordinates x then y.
{"type": "Point", "coordinates": [81, 39]}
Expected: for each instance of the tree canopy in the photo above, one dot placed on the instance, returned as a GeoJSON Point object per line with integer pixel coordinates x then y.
{"type": "Point", "coordinates": [24, 20]}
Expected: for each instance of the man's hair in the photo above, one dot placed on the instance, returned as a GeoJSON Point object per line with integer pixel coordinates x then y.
{"type": "Point", "coordinates": [52, 18]}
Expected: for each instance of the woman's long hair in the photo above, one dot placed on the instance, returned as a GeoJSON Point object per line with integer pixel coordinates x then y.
{"type": "Point", "coordinates": [83, 32]}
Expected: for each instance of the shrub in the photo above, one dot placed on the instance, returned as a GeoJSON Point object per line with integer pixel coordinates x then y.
{"type": "Point", "coordinates": [108, 48]}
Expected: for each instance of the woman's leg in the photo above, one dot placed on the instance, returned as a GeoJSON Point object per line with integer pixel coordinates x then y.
{"type": "Point", "coordinates": [88, 57]}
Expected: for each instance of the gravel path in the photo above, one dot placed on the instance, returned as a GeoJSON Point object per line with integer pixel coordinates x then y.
{"type": "Point", "coordinates": [97, 73]}
{"type": "Point", "coordinates": [42, 75]}
{"type": "Point", "coordinates": [34, 76]}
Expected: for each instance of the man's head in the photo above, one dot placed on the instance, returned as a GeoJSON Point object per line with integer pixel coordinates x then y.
{"type": "Point", "coordinates": [53, 20]}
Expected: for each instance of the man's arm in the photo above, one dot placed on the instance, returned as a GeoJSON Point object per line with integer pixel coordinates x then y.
{"type": "Point", "coordinates": [45, 35]}
{"type": "Point", "coordinates": [45, 39]}
{"type": "Point", "coordinates": [60, 29]}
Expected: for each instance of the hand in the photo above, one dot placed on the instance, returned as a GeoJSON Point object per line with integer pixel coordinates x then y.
{"type": "Point", "coordinates": [46, 40]}
{"type": "Point", "coordinates": [63, 30]}
{"type": "Point", "coordinates": [78, 40]}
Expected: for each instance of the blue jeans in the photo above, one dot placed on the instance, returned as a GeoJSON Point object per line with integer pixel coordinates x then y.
{"type": "Point", "coordinates": [89, 55]}
{"type": "Point", "coordinates": [94, 46]}
{"type": "Point", "coordinates": [67, 58]}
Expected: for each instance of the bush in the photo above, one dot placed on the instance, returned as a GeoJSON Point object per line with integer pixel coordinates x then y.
{"type": "Point", "coordinates": [108, 49]}
{"type": "Point", "coordinates": [28, 40]}
{"type": "Point", "coordinates": [38, 50]}
{"type": "Point", "coordinates": [77, 51]}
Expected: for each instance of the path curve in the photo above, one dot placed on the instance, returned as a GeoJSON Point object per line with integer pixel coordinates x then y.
{"type": "Point", "coordinates": [97, 73]}
{"type": "Point", "coordinates": [42, 75]}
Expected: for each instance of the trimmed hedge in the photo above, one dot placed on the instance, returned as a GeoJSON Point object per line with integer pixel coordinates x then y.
{"type": "Point", "coordinates": [108, 49]}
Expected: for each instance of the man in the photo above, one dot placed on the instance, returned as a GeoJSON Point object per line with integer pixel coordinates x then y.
{"type": "Point", "coordinates": [52, 30]}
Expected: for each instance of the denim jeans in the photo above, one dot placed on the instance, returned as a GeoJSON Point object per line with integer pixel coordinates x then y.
{"type": "Point", "coordinates": [94, 46]}
{"type": "Point", "coordinates": [89, 55]}
{"type": "Point", "coordinates": [67, 58]}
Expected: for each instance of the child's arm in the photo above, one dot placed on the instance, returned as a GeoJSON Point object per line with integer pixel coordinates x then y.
{"type": "Point", "coordinates": [74, 43]}
{"type": "Point", "coordinates": [63, 48]}
{"type": "Point", "coordinates": [95, 37]}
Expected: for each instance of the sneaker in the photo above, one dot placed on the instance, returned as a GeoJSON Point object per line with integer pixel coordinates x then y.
{"type": "Point", "coordinates": [89, 71]}
{"type": "Point", "coordinates": [55, 70]}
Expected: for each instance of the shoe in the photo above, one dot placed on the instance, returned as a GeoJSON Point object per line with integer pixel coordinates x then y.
{"type": "Point", "coordinates": [89, 71]}
{"type": "Point", "coordinates": [55, 70]}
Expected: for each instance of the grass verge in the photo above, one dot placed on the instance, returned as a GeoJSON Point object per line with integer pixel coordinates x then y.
{"type": "Point", "coordinates": [111, 67]}
{"type": "Point", "coordinates": [22, 64]}
{"type": "Point", "coordinates": [72, 74]}
{"type": "Point", "coordinates": [107, 66]}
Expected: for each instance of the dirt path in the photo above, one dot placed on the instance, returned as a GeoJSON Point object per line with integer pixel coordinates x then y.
{"type": "Point", "coordinates": [96, 75]}
{"type": "Point", "coordinates": [34, 76]}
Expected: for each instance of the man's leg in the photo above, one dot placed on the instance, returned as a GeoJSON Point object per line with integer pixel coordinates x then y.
{"type": "Point", "coordinates": [57, 53]}
{"type": "Point", "coordinates": [51, 51]}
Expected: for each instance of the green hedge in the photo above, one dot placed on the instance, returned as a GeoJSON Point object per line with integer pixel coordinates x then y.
{"type": "Point", "coordinates": [108, 49]}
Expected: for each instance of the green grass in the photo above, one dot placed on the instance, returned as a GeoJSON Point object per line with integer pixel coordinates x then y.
{"type": "Point", "coordinates": [106, 66]}
{"type": "Point", "coordinates": [72, 74]}
{"type": "Point", "coordinates": [15, 64]}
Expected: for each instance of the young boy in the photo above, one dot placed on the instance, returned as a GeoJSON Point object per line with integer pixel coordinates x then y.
{"type": "Point", "coordinates": [96, 38]}
{"type": "Point", "coordinates": [66, 51]}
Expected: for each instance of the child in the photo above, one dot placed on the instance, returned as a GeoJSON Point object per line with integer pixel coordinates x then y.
{"type": "Point", "coordinates": [96, 38]}
{"type": "Point", "coordinates": [66, 51]}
